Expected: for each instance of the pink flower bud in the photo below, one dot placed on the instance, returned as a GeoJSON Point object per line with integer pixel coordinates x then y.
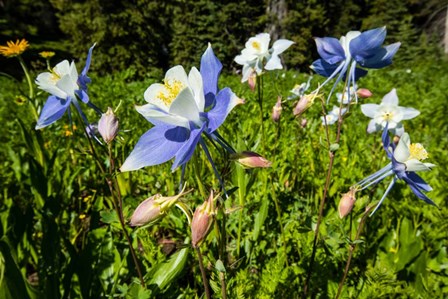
{"type": "Point", "coordinates": [154, 207]}
{"type": "Point", "coordinates": [277, 110]}
{"type": "Point", "coordinates": [304, 103]}
{"type": "Point", "coordinates": [303, 122]}
{"type": "Point", "coordinates": [202, 221]}
{"type": "Point", "coordinates": [251, 160]}
{"type": "Point", "coordinates": [252, 81]}
{"type": "Point", "coordinates": [363, 93]}
{"type": "Point", "coordinates": [346, 204]}
{"type": "Point", "coordinates": [108, 125]}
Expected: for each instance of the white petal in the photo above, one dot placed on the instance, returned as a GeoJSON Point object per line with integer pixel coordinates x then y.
{"type": "Point", "coordinates": [373, 126]}
{"type": "Point", "coordinates": [177, 73]}
{"type": "Point", "coordinates": [73, 72]}
{"type": "Point", "coordinates": [369, 110]}
{"type": "Point", "coordinates": [409, 113]}
{"type": "Point", "coordinates": [185, 105]}
{"type": "Point", "coordinates": [391, 98]}
{"type": "Point", "coordinates": [281, 45]}
{"type": "Point", "coordinates": [247, 71]}
{"type": "Point", "coordinates": [196, 84]}
{"type": "Point", "coordinates": [152, 95]}
{"type": "Point", "coordinates": [401, 152]}
{"type": "Point", "coordinates": [263, 39]}
{"type": "Point", "coordinates": [416, 165]}
{"type": "Point", "coordinates": [154, 113]}
{"type": "Point", "coordinates": [274, 63]}
{"type": "Point", "coordinates": [62, 68]}
{"type": "Point", "coordinates": [67, 85]}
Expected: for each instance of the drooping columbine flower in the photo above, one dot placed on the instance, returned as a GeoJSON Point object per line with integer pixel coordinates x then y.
{"type": "Point", "coordinates": [277, 110]}
{"type": "Point", "coordinates": [299, 90]}
{"type": "Point", "coordinates": [66, 86]}
{"type": "Point", "coordinates": [388, 112]}
{"type": "Point", "coordinates": [13, 49]}
{"type": "Point", "coordinates": [339, 57]}
{"type": "Point", "coordinates": [406, 159]}
{"type": "Point", "coordinates": [251, 160]}
{"type": "Point", "coordinates": [181, 110]}
{"type": "Point", "coordinates": [333, 116]}
{"type": "Point", "coordinates": [257, 55]}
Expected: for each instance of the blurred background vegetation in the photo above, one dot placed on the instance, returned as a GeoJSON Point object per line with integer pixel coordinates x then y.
{"type": "Point", "coordinates": [147, 36]}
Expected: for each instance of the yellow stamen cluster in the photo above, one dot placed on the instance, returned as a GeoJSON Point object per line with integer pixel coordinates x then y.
{"type": "Point", "coordinates": [388, 115]}
{"type": "Point", "coordinates": [256, 46]}
{"type": "Point", "coordinates": [14, 48]}
{"type": "Point", "coordinates": [417, 151]}
{"type": "Point", "coordinates": [172, 89]}
{"type": "Point", "coordinates": [46, 54]}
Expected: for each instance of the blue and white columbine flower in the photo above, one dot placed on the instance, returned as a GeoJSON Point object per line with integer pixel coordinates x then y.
{"type": "Point", "coordinates": [339, 57]}
{"type": "Point", "coordinates": [257, 55]}
{"type": "Point", "coordinates": [406, 159]}
{"type": "Point", "coordinates": [65, 86]}
{"type": "Point", "coordinates": [388, 112]}
{"type": "Point", "coordinates": [181, 110]}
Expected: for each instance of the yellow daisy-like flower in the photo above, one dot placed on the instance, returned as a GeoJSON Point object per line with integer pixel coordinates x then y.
{"type": "Point", "coordinates": [14, 48]}
{"type": "Point", "coordinates": [46, 54]}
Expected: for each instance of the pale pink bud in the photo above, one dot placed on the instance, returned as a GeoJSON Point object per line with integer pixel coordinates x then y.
{"type": "Point", "coordinates": [304, 103]}
{"type": "Point", "coordinates": [146, 212]}
{"type": "Point", "coordinates": [108, 125]}
{"type": "Point", "coordinates": [252, 81]}
{"type": "Point", "coordinates": [277, 109]}
{"type": "Point", "coordinates": [363, 93]}
{"type": "Point", "coordinates": [251, 160]}
{"type": "Point", "coordinates": [303, 122]}
{"type": "Point", "coordinates": [154, 207]}
{"type": "Point", "coordinates": [346, 204]}
{"type": "Point", "coordinates": [202, 221]}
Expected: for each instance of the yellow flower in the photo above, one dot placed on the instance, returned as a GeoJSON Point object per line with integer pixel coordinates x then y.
{"type": "Point", "coordinates": [46, 54]}
{"type": "Point", "coordinates": [14, 49]}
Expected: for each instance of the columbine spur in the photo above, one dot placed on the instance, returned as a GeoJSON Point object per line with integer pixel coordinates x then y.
{"type": "Point", "coordinates": [339, 57]}
{"type": "Point", "coordinates": [181, 110]}
{"type": "Point", "coordinates": [406, 159]}
{"type": "Point", "coordinates": [257, 55]}
{"type": "Point", "coordinates": [388, 112]}
{"type": "Point", "coordinates": [66, 87]}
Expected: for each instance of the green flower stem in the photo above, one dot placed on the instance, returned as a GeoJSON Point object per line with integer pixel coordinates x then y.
{"type": "Point", "coordinates": [30, 87]}
{"type": "Point", "coordinates": [260, 104]}
{"type": "Point", "coordinates": [352, 249]}
{"type": "Point", "coordinates": [117, 208]}
{"type": "Point", "coordinates": [204, 275]}
{"type": "Point", "coordinates": [279, 219]}
{"type": "Point", "coordinates": [241, 197]}
{"type": "Point", "coordinates": [324, 196]}
{"type": "Point", "coordinates": [197, 175]}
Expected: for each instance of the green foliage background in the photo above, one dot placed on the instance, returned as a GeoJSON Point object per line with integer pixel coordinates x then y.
{"type": "Point", "coordinates": [57, 225]}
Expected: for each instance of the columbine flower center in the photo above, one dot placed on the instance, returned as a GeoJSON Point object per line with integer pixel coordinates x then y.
{"type": "Point", "coordinates": [54, 76]}
{"type": "Point", "coordinates": [256, 46]}
{"type": "Point", "coordinates": [173, 88]}
{"type": "Point", "coordinates": [417, 151]}
{"type": "Point", "coordinates": [388, 115]}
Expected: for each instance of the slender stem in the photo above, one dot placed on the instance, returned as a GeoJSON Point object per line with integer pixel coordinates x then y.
{"type": "Point", "coordinates": [204, 275]}
{"type": "Point", "coordinates": [241, 197]}
{"type": "Point", "coordinates": [324, 197]}
{"type": "Point", "coordinates": [260, 104]}
{"type": "Point", "coordinates": [222, 278]}
{"type": "Point", "coordinates": [280, 222]}
{"type": "Point", "coordinates": [28, 77]}
{"type": "Point", "coordinates": [119, 210]}
{"type": "Point", "coordinates": [351, 250]}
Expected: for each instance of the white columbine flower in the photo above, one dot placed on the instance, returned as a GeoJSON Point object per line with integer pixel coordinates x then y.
{"type": "Point", "coordinates": [388, 112]}
{"type": "Point", "coordinates": [257, 53]}
{"type": "Point", "coordinates": [61, 81]}
{"type": "Point", "coordinates": [343, 96]}
{"type": "Point", "coordinates": [333, 116]}
{"type": "Point", "coordinates": [411, 154]}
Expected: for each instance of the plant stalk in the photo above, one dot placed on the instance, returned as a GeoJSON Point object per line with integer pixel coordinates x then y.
{"type": "Point", "coordinates": [204, 275]}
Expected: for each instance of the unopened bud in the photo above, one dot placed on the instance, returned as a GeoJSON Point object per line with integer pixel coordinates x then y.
{"type": "Point", "coordinates": [363, 93]}
{"type": "Point", "coordinates": [153, 208]}
{"type": "Point", "coordinates": [251, 160]}
{"type": "Point", "coordinates": [252, 81]}
{"type": "Point", "coordinates": [303, 122]}
{"type": "Point", "coordinates": [202, 221]}
{"type": "Point", "coordinates": [304, 103]}
{"type": "Point", "coordinates": [346, 203]}
{"type": "Point", "coordinates": [277, 109]}
{"type": "Point", "coordinates": [108, 125]}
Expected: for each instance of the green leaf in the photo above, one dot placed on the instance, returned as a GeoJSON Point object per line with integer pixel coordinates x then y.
{"type": "Point", "coordinates": [165, 273]}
